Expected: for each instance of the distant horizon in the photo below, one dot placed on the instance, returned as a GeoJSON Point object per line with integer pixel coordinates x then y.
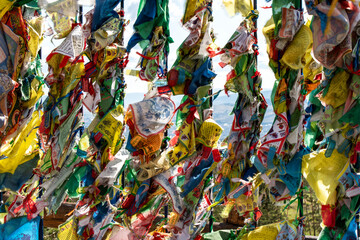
{"type": "Point", "coordinates": [222, 106]}
{"type": "Point", "coordinates": [264, 89]}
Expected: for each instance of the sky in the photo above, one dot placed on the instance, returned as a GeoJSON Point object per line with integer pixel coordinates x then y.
{"type": "Point", "coordinates": [223, 26]}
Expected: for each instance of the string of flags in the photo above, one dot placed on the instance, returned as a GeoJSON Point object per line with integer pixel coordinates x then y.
{"type": "Point", "coordinates": [124, 167]}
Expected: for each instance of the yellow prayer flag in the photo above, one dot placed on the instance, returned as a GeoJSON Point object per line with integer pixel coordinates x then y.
{"type": "Point", "coordinates": [238, 6]}
{"type": "Point", "coordinates": [323, 173]}
{"type": "Point", "coordinates": [23, 148]}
